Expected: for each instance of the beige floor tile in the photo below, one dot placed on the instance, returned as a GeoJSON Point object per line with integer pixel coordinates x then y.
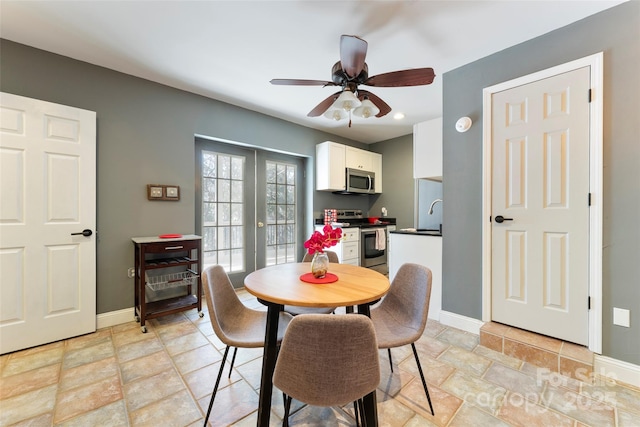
{"type": "Point", "coordinates": [515, 381]}
{"type": "Point", "coordinates": [25, 361]}
{"type": "Point", "coordinates": [28, 405]}
{"type": "Point", "coordinates": [120, 376]}
{"type": "Point", "coordinates": [113, 414]}
{"type": "Point", "coordinates": [148, 390]}
{"type": "Point", "coordinates": [146, 366]}
{"type": "Point", "coordinates": [498, 357]}
{"type": "Point", "coordinates": [84, 355]}
{"type": "Point", "coordinates": [29, 380]}
{"type": "Point", "coordinates": [459, 338]}
{"type": "Point", "coordinates": [478, 392]}
{"type": "Point", "coordinates": [83, 399]}
{"type": "Point", "coordinates": [445, 404]}
{"type": "Point", "coordinates": [533, 339]}
{"type": "Point", "coordinates": [138, 349]}
{"type": "Point", "coordinates": [232, 403]}
{"type": "Point", "coordinates": [196, 358]}
{"type": "Point", "coordinates": [470, 415]}
{"type": "Point", "coordinates": [175, 410]}
{"type": "Point", "coordinates": [583, 408]}
{"type": "Point", "coordinates": [465, 360]}
{"type": "Point", "coordinates": [88, 373]}
{"type": "Point", "coordinates": [520, 412]}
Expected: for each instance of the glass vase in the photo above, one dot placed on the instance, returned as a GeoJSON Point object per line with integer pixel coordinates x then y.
{"type": "Point", "coordinates": [319, 265]}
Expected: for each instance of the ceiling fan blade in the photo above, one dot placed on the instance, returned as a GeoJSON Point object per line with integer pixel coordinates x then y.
{"type": "Point", "coordinates": [413, 77]}
{"type": "Point", "coordinates": [353, 51]}
{"type": "Point", "coordinates": [323, 106]}
{"type": "Point", "coordinates": [299, 82]}
{"type": "Point", "coordinates": [383, 106]}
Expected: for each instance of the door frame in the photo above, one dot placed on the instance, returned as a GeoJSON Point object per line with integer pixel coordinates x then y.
{"type": "Point", "coordinates": [595, 64]}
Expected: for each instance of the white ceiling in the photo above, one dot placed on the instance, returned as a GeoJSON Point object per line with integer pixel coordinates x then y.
{"type": "Point", "coordinates": [229, 50]}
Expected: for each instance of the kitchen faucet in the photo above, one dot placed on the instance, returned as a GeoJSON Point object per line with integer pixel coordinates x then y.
{"type": "Point", "coordinates": [432, 205]}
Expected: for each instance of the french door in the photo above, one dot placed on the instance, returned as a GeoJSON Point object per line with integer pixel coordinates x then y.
{"type": "Point", "coordinates": [249, 209]}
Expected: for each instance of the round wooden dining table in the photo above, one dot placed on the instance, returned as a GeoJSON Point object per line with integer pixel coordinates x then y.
{"type": "Point", "coordinates": [280, 285]}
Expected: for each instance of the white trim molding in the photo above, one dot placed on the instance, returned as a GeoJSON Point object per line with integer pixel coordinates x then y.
{"type": "Point", "coordinates": [114, 318]}
{"type": "Point", "coordinates": [616, 370]}
{"type": "Point", "coordinates": [595, 64]}
{"type": "Point", "coordinates": [467, 324]}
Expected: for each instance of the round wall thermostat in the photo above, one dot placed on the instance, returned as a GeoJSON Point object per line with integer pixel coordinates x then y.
{"type": "Point", "coordinates": [463, 124]}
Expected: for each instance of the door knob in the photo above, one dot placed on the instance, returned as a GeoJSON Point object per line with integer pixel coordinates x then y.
{"type": "Point", "coordinates": [86, 233]}
{"type": "Point", "coordinates": [500, 219]}
{"type": "Point", "coordinates": [260, 224]}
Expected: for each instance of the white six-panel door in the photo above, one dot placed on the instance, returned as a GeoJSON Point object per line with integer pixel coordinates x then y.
{"type": "Point", "coordinates": [47, 190]}
{"type": "Point", "coordinates": [540, 252]}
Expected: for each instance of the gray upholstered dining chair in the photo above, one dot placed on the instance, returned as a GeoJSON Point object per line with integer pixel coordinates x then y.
{"type": "Point", "coordinates": [234, 324]}
{"type": "Point", "coordinates": [327, 361]}
{"type": "Point", "coordinates": [294, 309]}
{"type": "Point", "coordinates": [401, 316]}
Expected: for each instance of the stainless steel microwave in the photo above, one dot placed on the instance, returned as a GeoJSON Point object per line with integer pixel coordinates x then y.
{"type": "Point", "coordinates": [359, 181]}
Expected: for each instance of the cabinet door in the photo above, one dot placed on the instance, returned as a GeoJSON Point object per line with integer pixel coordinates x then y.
{"type": "Point", "coordinates": [356, 158]}
{"type": "Point", "coordinates": [427, 149]}
{"type": "Point", "coordinates": [376, 163]}
{"type": "Point", "coordinates": [330, 166]}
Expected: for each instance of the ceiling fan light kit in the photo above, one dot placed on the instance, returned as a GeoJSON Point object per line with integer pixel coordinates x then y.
{"type": "Point", "coordinates": [366, 109]}
{"type": "Point", "coordinates": [347, 101]}
{"type": "Point", "coordinates": [336, 114]}
{"type": "Point", "coordinates": [350, 72]}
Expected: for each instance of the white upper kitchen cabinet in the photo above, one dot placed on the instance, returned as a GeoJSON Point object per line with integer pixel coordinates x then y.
{"type": "Point", "coordinates": [356, 158]}
{"type": "Point", "coordinates": [332, 159]}
{"type": "Point", "coordinates": [427, 149]}
{"type": "Point", "coordinates": [330, 166]}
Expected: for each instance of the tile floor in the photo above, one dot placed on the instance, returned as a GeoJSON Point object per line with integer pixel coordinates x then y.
{"type": "Point", "coordinates": [119, 376]}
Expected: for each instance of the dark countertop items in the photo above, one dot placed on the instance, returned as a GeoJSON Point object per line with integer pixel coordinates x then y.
{"type": "Point", "coordinates": [418, 232]}
{"type": "Point", "coordinates": [361, 222]}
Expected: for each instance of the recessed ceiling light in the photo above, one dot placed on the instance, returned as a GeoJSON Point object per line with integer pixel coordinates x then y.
{"type": "Point", "coordinates": [398, 116]}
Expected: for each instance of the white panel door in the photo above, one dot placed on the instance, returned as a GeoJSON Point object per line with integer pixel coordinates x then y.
{"type": "Point", "coordinates": [540, 252]}
{"type": "Point", "coordinates": [48, 195]}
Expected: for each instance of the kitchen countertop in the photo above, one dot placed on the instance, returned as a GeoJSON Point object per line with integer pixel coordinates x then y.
{"type": "Point", "coordinates": [418, 232]}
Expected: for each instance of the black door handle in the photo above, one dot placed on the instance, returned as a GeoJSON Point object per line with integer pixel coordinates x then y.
{"type": "Point", "coordinates": [500, 219]}
{"type": "Point", "coordinates": [86, 233]}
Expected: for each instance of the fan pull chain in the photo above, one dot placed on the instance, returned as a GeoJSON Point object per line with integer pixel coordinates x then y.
{"type": "Point", "coordinates": [349, 118]}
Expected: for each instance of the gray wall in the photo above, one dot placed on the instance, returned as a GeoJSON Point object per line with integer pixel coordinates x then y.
{"type": "Point", "coordinates": [616, 32]}
{"type": "Point", "coordinates": [146, 135]}
{"type": "Point", "coordinates": [398, 183]}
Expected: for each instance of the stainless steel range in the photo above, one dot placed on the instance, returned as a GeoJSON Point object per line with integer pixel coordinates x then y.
{"type": "Point", "coordinates": [373, 239]}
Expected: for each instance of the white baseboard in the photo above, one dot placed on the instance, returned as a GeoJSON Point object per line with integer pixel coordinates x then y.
{"type": "Point", "coordinates": [458, 321]}
{"type": "Point", "coordinates": [617, 370]}
{"type": "Point", "coordinates": [113, 318]}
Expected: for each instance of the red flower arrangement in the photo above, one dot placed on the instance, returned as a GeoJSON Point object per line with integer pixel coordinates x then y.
{"type": "Point", "coordinates": [319, 241]}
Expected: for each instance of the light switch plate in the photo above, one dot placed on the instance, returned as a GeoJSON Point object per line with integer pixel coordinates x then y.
{"type": "Point", "coordinates": [163, 192]}
{"type": "Point", "coordinates": [172, 192]}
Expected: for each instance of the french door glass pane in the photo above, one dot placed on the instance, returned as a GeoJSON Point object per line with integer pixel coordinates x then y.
{"type": "Point", "coordinates": [281, 207]}
{"type": "Point", "coordinates": [223, 210]}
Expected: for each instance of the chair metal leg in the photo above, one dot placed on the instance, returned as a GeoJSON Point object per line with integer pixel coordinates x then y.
{"type": "Point", "coordinates": [355, 412]}
{"type": "Point", "coordinates": [424, 383]}
{"type": "Point", "coordinates": [287, 408]}
{"type": "Point", "coordinates": [215, 387]}
{"type": "Point", "coordinates": [363, 420]}
{"type": "Point", "coordinates": [233, 360]}
{"type": "Point", "coordinates": [390, 360]}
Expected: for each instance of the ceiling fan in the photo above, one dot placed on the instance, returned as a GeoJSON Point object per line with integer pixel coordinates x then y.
{"type": "Point", "coordinates": [349, 73]}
